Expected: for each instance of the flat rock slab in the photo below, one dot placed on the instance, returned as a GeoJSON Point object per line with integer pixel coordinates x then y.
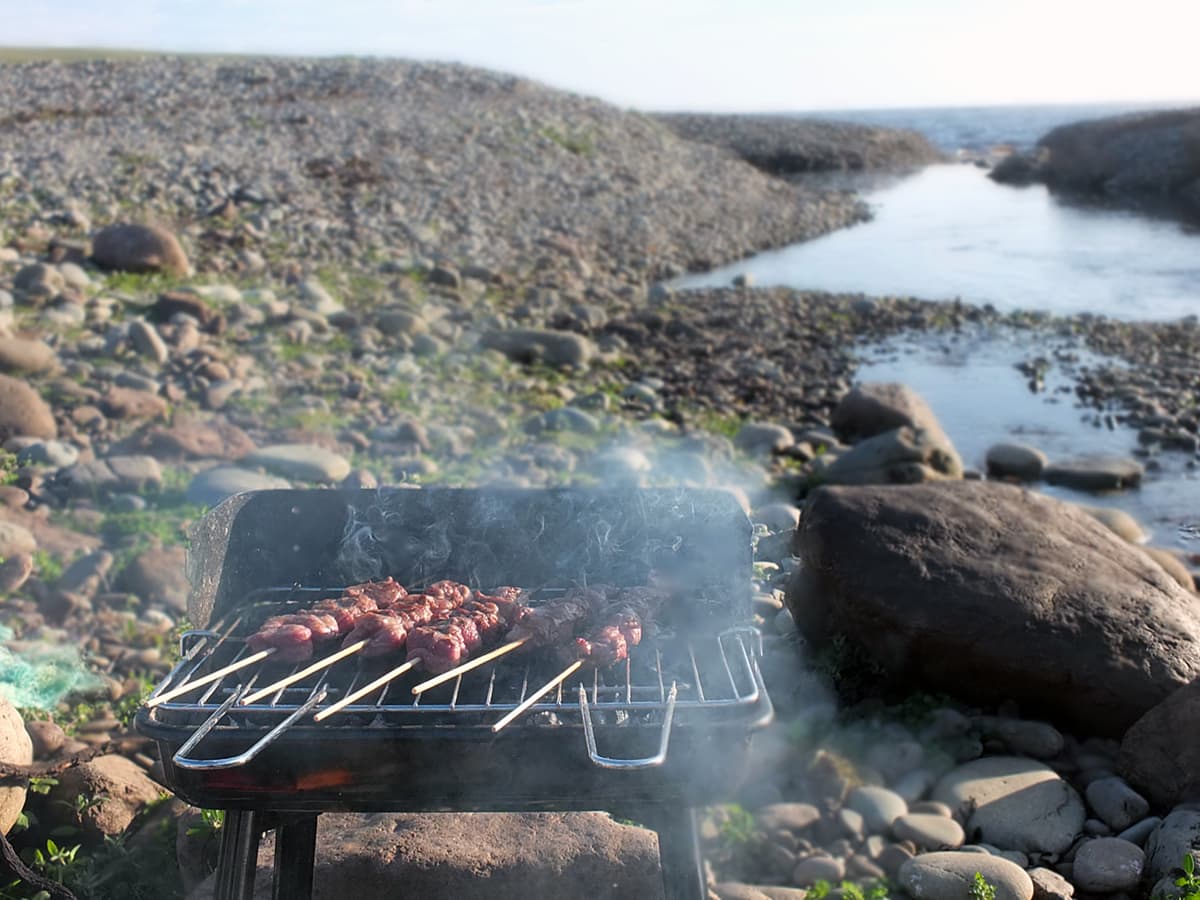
{"type": "Point", "coordinates": [1095, 473]}
{"type": "Point", "coordinates": [565, 856]}
{"type": "Point", "coordinates": [301, 461]}
{"type": "Point", "coordinates": [212, 486]}
{"type": "Point", "coordinates": [991, 592]}
{"type": "Point", "coordinates": [1014, 803]}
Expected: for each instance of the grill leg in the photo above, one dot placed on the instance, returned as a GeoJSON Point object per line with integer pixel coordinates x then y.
{"type": "Point", "coordinates": [678, 851]}
{"type": "Point", "coordinates": [295, 853]}
{"type": "Point", "coordinates": [238, 855]}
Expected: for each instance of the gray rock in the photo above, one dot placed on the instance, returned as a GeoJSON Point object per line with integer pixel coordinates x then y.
{"type": "Point", "coordinates": [210, 487]}
{"type": "Point", "coordinates": [139, 248]}
{"type": "Point", "coordinates": [1177, 835]}
{"type": "Point", "coordinates": [1036, 739]}
{"type": "Point", "coordinates": [23, 412]}
{"type": "Point", "coordinates": [1107, 864]}
{"type": "Point", "coordinates": [1020, 592]}
{"type": "Point", "coordinates": [1015, 461]}
{"type": "Point", "coordinates": [878, 806]}
{"type": "Point", "coordinates": [568, 418]}
{"type": "Point", "coordinates": [1015, 803]}
{"type": "Point", "coordinates": [38, 281]}
{"type": "Point", "coordinates": [787, 816]}
{"type": "Point", "coordinates": [1116, 803]}
{"type": "Point", "coordinates": [1049, 885]}
{"type": "Point", "coordinates": [135, 472]}
{"type": "Point", "coordinates": [901, 456]}
{"type": "Point", "coordinates": [57, 454]}
{"type": "Point", "coordinates": [148, 342]}
{"type": "Point", "coordinates": [303, 462]}
{"type": "Point", "coordinates": [397, 320]}
{"type": "Point", "coordinates": [929, 831]}
{"type": "Point", "coordinates": [763, 438]}
{"type": "Point", "coordinates": [317, 298]}
{"type": "Point", "coordinates": [1140, 831]}
{"type": "Point", "coordinates": [15, 539]}
{"type": "Point", "coordinates": [26, 356]}
{"type": "Point", "coordinates": [950, 876]}
{"type": "Point", "coordinates": [776, 516]}
{"type": "Point", "coordinates": [530, 345]}
{"type": "Point", "coordinates": [1117, 521]}
{"type": "Point", "coordinates": [620, 465]}
{"type": "Point", "coordinates": [1155, 759]}
{"type": "Point", "coordinates": [1095, 473]}
{"type": "Point", "coordinates": [818, 868]}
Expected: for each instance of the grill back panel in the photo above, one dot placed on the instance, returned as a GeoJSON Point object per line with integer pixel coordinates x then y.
{"type": "Point", "coordinates": [697, 541]}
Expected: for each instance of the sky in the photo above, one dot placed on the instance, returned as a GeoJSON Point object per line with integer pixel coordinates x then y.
{"type": "Point", "coordinates": [719, 55]}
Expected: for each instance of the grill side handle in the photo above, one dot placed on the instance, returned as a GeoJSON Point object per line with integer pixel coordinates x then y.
{"type": "Point", "coordinates": [183, 761]}
{"type": "Point", "coordinates": [609, 762]}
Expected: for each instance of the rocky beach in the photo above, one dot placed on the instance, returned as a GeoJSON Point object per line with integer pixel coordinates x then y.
{"type": "Point", "coordinates": [229, 275]}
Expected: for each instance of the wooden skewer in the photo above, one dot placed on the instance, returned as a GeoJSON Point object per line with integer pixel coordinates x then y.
{"type": "Point", "coordinates": [538, 694]}
{"type": "Point", "coordinates": [210, 677]}
{"type": "Point", "coordinates": [362, 692]}
{"type": "Point", "coordinates": [469, 665]}
{"type": "Point", "coordinates": [305, 672]}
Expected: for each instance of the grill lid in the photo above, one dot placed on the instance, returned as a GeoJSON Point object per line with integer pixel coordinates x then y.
{"type": "Point", "coordinates": [697, 540]}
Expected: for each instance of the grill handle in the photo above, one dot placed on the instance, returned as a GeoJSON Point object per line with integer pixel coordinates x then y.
{"type": "Point", "coordinates": [609, 762]}
{"type": "Point", "coordinates": [183, 761]}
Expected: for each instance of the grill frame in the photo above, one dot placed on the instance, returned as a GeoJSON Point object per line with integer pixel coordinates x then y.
{"type": "Point", "coordinates": [698, 543]}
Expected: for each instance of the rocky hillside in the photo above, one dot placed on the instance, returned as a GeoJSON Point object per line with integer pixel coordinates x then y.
{"type": "Point", "coordinates": [1149, 160]}
{"type": "Point", "coordinates": [783, 145]}
{"type": "Point", "coordinates": [369, 160]}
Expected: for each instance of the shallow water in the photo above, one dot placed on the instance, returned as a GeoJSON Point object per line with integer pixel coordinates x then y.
{"type": "Point", "coordinates": [981, 398]}
{"type": "Point", "coordinates": [950, 232]}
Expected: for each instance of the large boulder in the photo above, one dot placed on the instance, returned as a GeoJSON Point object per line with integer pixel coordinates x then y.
{"type": "Point", "coordinates": [1154, 756]}
{"type": "Point", "coordinates": [992, 592]}
{"type": "Point", "coordinates": [579, 856]}
{"type": "Point", "coordinates": [23, 412]}
{"type": "Point", "coordinates": [16, 748]}
{"type": "Point", "coordinates": [139, 248]}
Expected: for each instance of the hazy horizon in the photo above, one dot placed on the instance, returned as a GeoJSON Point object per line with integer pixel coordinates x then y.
{"type": "Point", "coordinates": [755, 56]}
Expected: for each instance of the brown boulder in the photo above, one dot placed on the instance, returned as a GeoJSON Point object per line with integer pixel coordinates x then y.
{"type": "Point", "coordinates": [139, 248]}
{"type": "Point", "coordinates": [172, 302]}
{"type": "Point", "coordinates": [130, 403]}
{"type": "Point", "coordinates": [23, 412]}
{"type": "Point", "coordinates": [875, 408]}
{"type": "Point", "coordinates": [16, 748]}
{"type": "Point", "coordinates": [1159, 754]}
{"type": "Point", "coordinates": [193, 439]}
{"type": "Point", "coordinates": [26, 355]}
{"type": "Point", "coordinates": [157, 576]}
{"type": "Point", "coordinates": [991, 592]}
{"type": "Point", "coordinates": [117, 788]}
{"type": "Point", "coordinates": [493, 856]}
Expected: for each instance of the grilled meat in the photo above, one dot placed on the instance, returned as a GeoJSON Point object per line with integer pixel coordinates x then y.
{"type": "Point", "coordinates": [443, 645]}
{"type": "Point", "coordinates": [556, 622]}
{"type": "Point", "coordinates": [620, 627]}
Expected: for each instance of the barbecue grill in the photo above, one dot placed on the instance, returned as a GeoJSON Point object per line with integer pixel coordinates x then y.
{"type": "Point", "coordinates": [648, 739]}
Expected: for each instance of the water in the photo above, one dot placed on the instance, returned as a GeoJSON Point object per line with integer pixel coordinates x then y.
{"type": "Point", "coordinates": [973, 386]}
{"type": "Point", "coordinates": [950, 232]}
{"type": "Point", "coordinates": [980, 128]}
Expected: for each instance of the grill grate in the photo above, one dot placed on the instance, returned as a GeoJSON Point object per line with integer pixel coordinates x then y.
{"type": "Point", "coordinates": [710, 676]}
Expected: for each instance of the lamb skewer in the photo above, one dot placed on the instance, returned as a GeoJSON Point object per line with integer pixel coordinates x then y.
{"type": "Point", "coordinates": [447, 640]}
{"type": "Point", "coordinates": [621, 625]}
{"type": "Point", "coordinates": [379, 632]}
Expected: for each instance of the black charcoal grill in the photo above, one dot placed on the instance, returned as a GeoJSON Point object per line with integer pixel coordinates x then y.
{"type": "Point", "coordinates": [648, 740]}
